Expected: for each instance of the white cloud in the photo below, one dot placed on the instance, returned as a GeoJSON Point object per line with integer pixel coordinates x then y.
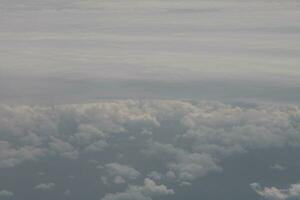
{"type": "Point", "coordinates": [67, 192]}
{"type": "Point", "coordinates": [152, 189]}
{"type": "Point", "coordinates": [187, 166]}
{"type": "Point", "coordinates": [146, 192]}
{"type": "Point", "coordinates": [63, 148]}
{"type": "Point", "coordinates": [6, 194]}
{"type": "Point", "coordinates": [124, 171]}
{"type": "Point", "coordinates": [273, 193]}
{"type": "Point", "coordinates": [185, 184]}
{"type": "Point", "coordinates": [222, 130]}
{"type": "Point", "coordinates": [206, 133]}
{"type": "Point", "coordinates": [155, 175]}
{"type": "Point", "coordinates": [104, 180]}
{"type": "Point", "coordinates": [97, 146]}
{"type": "Point", "coordinates": [119, 180]}
{"type": "Point", "coordinates": [277, 167]}
{"type": "Point", "coordinates": [41, 173]}
{"type": "Point", "coordinates": [87, 133]}
{"type": "Point", "coordinates": [11, 156]}
{"type": "Point", "coordinates": [44, 186]}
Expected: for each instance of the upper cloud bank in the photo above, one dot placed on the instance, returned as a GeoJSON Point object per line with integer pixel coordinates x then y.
{"type": "Point", "coordinates": [180, 141]}
{"type": "Point", "coordinates": [61, 51]}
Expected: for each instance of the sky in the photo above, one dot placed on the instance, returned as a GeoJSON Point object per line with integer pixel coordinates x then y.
{"type": "Point", "coordinates": [149, 99]}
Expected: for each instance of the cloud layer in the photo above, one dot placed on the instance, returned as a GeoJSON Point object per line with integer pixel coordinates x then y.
{"type": "Point", "coordinates": [167, 141]}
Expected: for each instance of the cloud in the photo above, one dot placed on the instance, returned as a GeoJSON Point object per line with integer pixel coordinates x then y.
{"type": "Point", "coordinates": [186, 166]}
{"type": "Point", "coordinates": [41, 173]}
{"type": "Point", "coordinates": [67, 192]}
{"type": "Point", "coordinates": [64, 131]}
{"type": "Point", "coordinates": [97, 146]}
{"type": "Point", "coordinates": [6, 194]}
{"type": "Point", "coordinates": [119, 180]}
{"type": "Point", "coordinates": [273, 193]}
{"type": "Point", "coordinates": [226, 130]}
{"type": "Point", "coordinates": [63, 149]}
{"type": "Point", "coordinates": [277, 167]}
{"type": "Point", "coordinates": [11, 156]}
{"type": "Point", "coordinates": [87, 133]}
{"type": "Point", "coordinates": [121, 172]}
{"type": "Point", "coordinates": [151, 188]}
{"type": "Point", "coordinates": [172, 57]}
{"type": "Point", "coordinates": [146, 192]}
{"type": "Point", "coordinates": [155, 175]}
{"type": "Point", "coordinates": [185, 183]}
{"type": "Point", "coordinates": [181, 141]}
{"type": "Point", "coordinates": [44, 186]}
{"type": "Point", "coordinates": [139, 49]}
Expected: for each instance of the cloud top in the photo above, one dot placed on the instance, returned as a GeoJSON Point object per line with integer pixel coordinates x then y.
{"type": "Point", "coordinates": [168, 141]}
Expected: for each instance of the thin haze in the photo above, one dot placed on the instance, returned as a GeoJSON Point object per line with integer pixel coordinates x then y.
{"type": "Point", "coordinates": [92, 49]}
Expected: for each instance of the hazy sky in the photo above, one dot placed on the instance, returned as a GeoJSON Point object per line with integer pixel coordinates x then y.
{"type": "Point", "coordinates": [149, 99]}
{"type": "Point", "coordinates": [133, 47]}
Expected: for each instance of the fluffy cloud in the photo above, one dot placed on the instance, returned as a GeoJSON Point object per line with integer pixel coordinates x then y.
{"type": "Point", "coordinates": [223, 130]}
{"type": "Point", "coordinates": [155, 175]}
{"type": "Point", "coordinates": [44, 186]}
{"type": "Point", "coordinates": [277, 167]}
{"type": "Point", "coordinates": [185, 165]}
{"type": "Point", "coordinates": [86, 134]}
{"type": "Point", "coordinates": [273, 193]}
{"type": "Point", "coordinates": [62, 148]}
{"type": "Point", "coordinates": [97, 146]}
{"type": "Point", "coordinates": [184, 140]}
{"type": "Point", "coordinates": [119, 180]}
{"type": "Point", "coordinates": [146, 192]}
{"type": "Point", "coordinates": [6, 194]}
{"type": "Point", "coordinates": [121, 172]}
{"type": "Point", "coordinates": [11, 156]}
{"type": "Point", "coordinates": [28, 133]}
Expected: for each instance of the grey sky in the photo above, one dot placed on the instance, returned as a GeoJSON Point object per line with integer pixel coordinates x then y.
{"type": "Point", "coordinates": [191, 42]}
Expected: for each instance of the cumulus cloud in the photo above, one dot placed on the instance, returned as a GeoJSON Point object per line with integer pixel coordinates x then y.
{"type": "Point", "coordinates": [225, 129]}
{"type": "Point", "coordinates": [163, 49]}
{"type": "Point", "coordinates": [121, 172]}
{"type": "Point", "coordinates": [6, 194]}
{"type": "Point", "coordinates": [274, 193]}
{"type": "Point", "coordinates": [96, 146]}
{"type": "Point", "coordinates": [146, 192]}
{"type": "Point", "coordinates": [64, 131]}
{"type": "Point", "coordinates": [187, 166]}
{"type": "Point", "coordinates": [44, 186]}
{"type": "Point", "coordinates": [155, 175]}
{"type": "Point", "coordinates": [63, 149]}
{"type": "Point", "coordinates": [119, 180]}
{"type": "Point", "coordinates": [86, 134]}
{"type": "Point", "coordinates": [277, 167]}
{"type": "Point", "coordinates": [11, 156]}
{"type": "Point", "coordinates": [186, 140]}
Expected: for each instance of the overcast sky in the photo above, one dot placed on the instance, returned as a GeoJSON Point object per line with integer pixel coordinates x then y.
{"type": "Point", "coordinates": [90, 49]}
{"type": "Point", "coordinates": [149, 99]}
